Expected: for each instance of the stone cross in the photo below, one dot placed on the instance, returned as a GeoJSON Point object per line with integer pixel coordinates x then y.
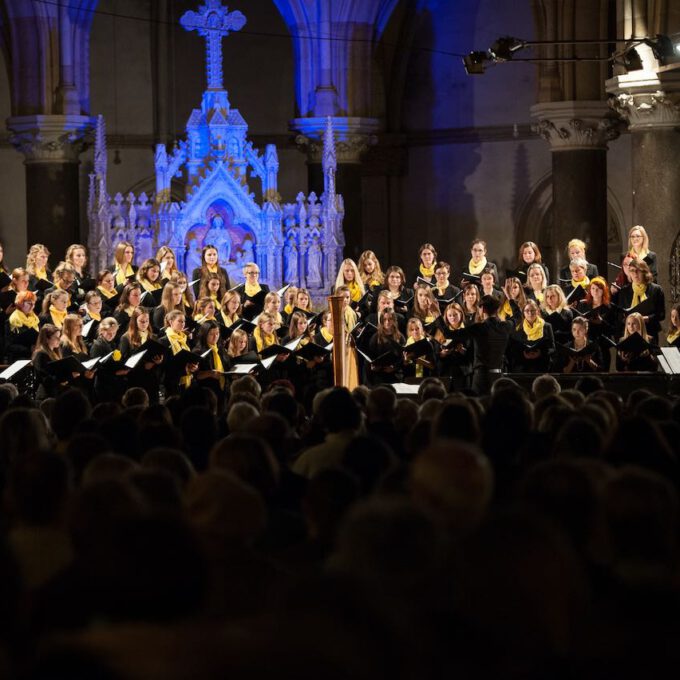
{"type": "Point", "coordinates": [213, 21]}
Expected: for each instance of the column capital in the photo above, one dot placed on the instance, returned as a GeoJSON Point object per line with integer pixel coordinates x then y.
{"type": "Point", "coordinates": [49, 139]}
{"type": "Point", "coordinates": [353, 136]}
{"type": "Point", "coordinates": [576, 125]}
{"type": "Point", "coordinates": [647, 99]}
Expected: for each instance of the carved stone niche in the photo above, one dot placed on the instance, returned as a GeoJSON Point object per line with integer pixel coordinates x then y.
{"type": "Point", "coordinates": [572, 126]}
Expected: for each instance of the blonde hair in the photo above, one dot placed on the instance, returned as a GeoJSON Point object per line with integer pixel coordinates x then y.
{"type": "Point", "coordinates": [32, 253]}
{"type": "Point", "coordinates": [576, 243]}
{"type": "Point", "coordinates": [535, 266]}
{"type": "Point", "coordinates": [641, 325]}
{"type": "Point", "coordinates": [69, 338]}
{"type": "Point", "coordinates": [50, 297]}
{"type": "Point", "coordinates": [562, 304]}
{"type": "Point", "coordinates": [119, 252]}
{"type": "Point", "coordinates": [432, 306]}
{"type": "Point", "coordinates": [377, 274]}
{"type": "Point", "coordinates": [645, 240]}
{"type": "Point", "coordinates": [232, 349]}
{"type": "Point", "coordinates": [160, 254]}
{"type": "Point", "coordinates": [340, 278]}
{"type": "Point", "coordinates": [68, 257]}
{"type": "Point", "coordinates": [106, 324]}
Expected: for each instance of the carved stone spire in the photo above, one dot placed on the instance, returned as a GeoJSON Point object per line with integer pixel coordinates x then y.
{"type": "Point", "coordinates": [213, 21]}
{"type": "Point", "coordinates": [329, 161]}
{"type": "Point", "coordinates": [100, 148]}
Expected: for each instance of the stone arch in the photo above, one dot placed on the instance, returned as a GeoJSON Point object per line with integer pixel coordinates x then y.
{"type": "Point", "coordinates": [535, 223]}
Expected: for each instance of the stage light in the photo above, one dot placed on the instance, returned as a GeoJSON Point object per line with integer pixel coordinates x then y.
{"type": "Point", "coordinates": [504, 47]}
{"type": "Point", "coordinates": [474, 63]}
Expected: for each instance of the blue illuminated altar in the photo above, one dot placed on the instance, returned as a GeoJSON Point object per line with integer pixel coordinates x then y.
{"type": "Point", "coordinates": [299, 243]}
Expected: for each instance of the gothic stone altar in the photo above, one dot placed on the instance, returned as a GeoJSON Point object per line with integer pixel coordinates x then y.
{"type": "Point", "coordinates": [298, 243]}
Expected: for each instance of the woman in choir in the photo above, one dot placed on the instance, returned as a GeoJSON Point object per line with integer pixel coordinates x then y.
{"type": "Point", "coordinates": [533, 329]}
{"type": "Point", "coordinates": [37, 266]}
{"type": "Point", "coordinates": [170, 300]}
{"type": "Point", "coordinates": [298, 327]}
{"type": "Point", "coordinates": [93, 312]}
{"type": "Point", "coordinates": [529, 254]}
{"type": "Point", "coordinates": [210, 265]}
{"type": "Point", "coordinates": [47, 350]}
{"type": "Point", "coordinates": [350, 319]}
{"type": "Point", "coordinates": [387, 338]}
{"type": "Point", "coordinates": [385, 301]}
{"type": "Point", "coordinates": [130, 299]}
{"type": "Point", "coordinates": [597, 307]}
{"type": "Point", "coordinates": [272, 305]}
{"type": "Point", "coordinates": [673, 337]}
{"type": "Point", "coordinates": [106, 287]}
{"type": "Point", "coordinates": [537, 282]}
{"type": "Point", "coordinates": [230, 311]}
{"type": "Point", "coordinates": [443, 289]}
{"type": "Point", "coordinates": [110, 378]}
{"type": "Point", "coordinates": [187, 293]}
{"type": "Point", "coordinates": [324, 336]}
{"type": "Point", "coordinates": [471, 310]}
{"type": "Point", "coordinates": [55, 308]}
{"type": "Point", "coordinates": [17, 284]}
{"type": "Point", "coordinates": [455, 356]}
{"type": "Point", "coordinates": [425, 307]}
{"type": "Point", "coordinates": [488, 285]}
{"type": "Point", "coordinates": [252, 291]}
{"type": "Point", "coordinates": [73, 345]}
{"type": "Point", "coordinates": [211, 287]}
{"type": "Point", "coordinates": [204, 310]}
{"type": "Point", "coordinates": [636, 361]}
{"type": "Point", "coordinates": [478, 262]}
{"type": "Point", "coordinates": [557, 312]}
{"type": "Point", "coordinates": [149, 276]}
{"type": "Point", "coordinates": [578, 269]}
{"type": "Point", "coordinates": [427, 259]}
{"type": "Point", "coordinates": [64, 278]}
{"type": "Point", "coordinates": [167, 261]}
{"type": "Point", "coordinates": [622, 279]}
{"type": "Point", "coordinates": [177, 376]}
{"type": "Point", "coordinates": [298, 368]}
{"type": "Point", "coordinates": [638, 247]}
{"type": "Point", "coordinates": [123, 269]}
{"type": "Point", "coordinates": [76, 256]}
{"type": "Point", "coordinates": [303, 299]}
{"type": "Point", "coordinates": [640, 290]}
{"type": "Point", "coordinates": [22, 328]}
{"type": "Point", "coordinates": [348, 275]}
{"type": "Point", "coordinates": [576, 250]}
{"type": "Point", "coordinates": [145, 374]}
{"type": "Point", "coordinates": [264, 334]}
{"type": "Point", "coordinates": [425, 364]}
{"type": "Point", "coordinates": [584, 363]}
{"type": "Point", "coordinates": [369, 270]}
{"type": "Point", "coordinates": [215, 361]}
{"type": "Point", "coordinates": [514, 300]}
{"type": "Point", "coordinates": [239, 347]}
{"type": "Point", "coordinates": [395, 285]}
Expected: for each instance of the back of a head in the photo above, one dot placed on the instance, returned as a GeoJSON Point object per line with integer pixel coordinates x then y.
{"type": "Point", "coordinates": [431, 388]}
{"type": "Point", "coordinates": [282, 402]}
{"type": "Point", "coordinates": [452, 482]}
{"type": "Point", "coordinates": [70, 408]}
{"type": "Point", "coordinates": [382, 404]}
{"type": "Point", "coordinates": [22, 431]}
{"type": "Point", "coordinates": [240, 414]}
{"type": "Point", "coordinates": [587, 384]}
{"type": "Point", "coordinates": [135, 396]}
{"type": "Point", "coordinates": [543, 386]}
{"type": "Point", "coordinates": [339, 411]}
{"type": "Point", "coordinates": [159, 489]}
{"type": "Point", "coordinates": [489, 305]}
{"type": "Point", "coordinates": [107, 466]}
{"type": "Point", "coordinates": [579, 437]}
{"type": "Point", "coordinates": [456, 420]}
{"type": "Point", "coordinates": [368, 459]}
{"type": "Point", "coordinates": [246, 383]}
{"type": "Point", "coordinates": [655, 408]}
{"type": "Point", "coordinates": [172, 461]}
{"type": "Point", "coordinates": [250, 459]}
{"type": "Point", "coordinates": [222, 507]}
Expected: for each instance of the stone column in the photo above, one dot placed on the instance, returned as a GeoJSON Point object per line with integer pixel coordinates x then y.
{"type": "Point", "coordinates": [353, 137]}
{"type": "Point", "coordinates": [51, 146]}
{"type": "Point", "coordinates": [578, 132]}
{"type": "Point", "coordinates": [650, 103]}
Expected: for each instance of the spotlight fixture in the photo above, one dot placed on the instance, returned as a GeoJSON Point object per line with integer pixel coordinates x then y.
{"type": "Point", "coordinates": [474, 63]}
{"type": "Point", "coordinates": [504, 47]}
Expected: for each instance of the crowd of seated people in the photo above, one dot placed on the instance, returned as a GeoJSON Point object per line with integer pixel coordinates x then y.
{"type": "Point", "coordinates": [521, 535]}
{"type": "Point", "coordinates": [171, 332]}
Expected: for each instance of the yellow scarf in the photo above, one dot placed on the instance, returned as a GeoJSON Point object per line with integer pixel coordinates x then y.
{"type": "Point", "coordinates": [477, 269]}
{"type": "Point", "coordinates": [251, 289]}
{"type": "Point", "coordinates": [212, 268]}
{"type": "Point", "coordinates": [505, 311]}
{"type": "Point", "coordinates": [129, 310]}
{"type": "Point", "coordinates": [216, 302]}
{"type": "Point", "coordinates": [672, 337]}
{"type": "Point", "coordinates": [441, 291]}
{"type": "Point", "coordinates": [19, 320]}
{"type": "Point", "coordinates": [350, 319]}
{"type": "Point", "coordinates": [354, 291]}
{"type": "Point", "coordinates": [149, 286]}
{"type": "Point", "coordinates": [264, 340]}
{"type": "Point", "coordinates": [539, 295]}
{"type": "Point", "coordinates": [228, 321]}
{"type": "Point", "coordinates": [639, 293]}
{"type": "Point", "coordinates": [41, 274]}
{"type": "Point", "coordinates": [217, 362]}
{"type": "Point", "coordinates": [584, 282]}
{"type": "Point", "coordinates": [143, 337]}
{"type": "Point", "coordinates": [419, 368]}
{"type": "Point", "coordinates": [640, 255]}
{"type": "Point", "coordinates": [94, 315]}
{"type": "Point", "coordinates": [429, 319]}
{"type": "Point", "coordinates": [326, 334]}
{"type": "Point", "coordinates": [108, 294]}
{"type": "Point", "coordinates": [123, 274]}
{"type": "Point", "coordinates": [288, 309]}
{"type": "Point", "coordinates": [427, 272]}
{"type": "Point", "coordinates": [534, 332]}
{"type": "Point", "coordinates": [57, 316]}
{"type": "Point", "coordinates": [178, 341]}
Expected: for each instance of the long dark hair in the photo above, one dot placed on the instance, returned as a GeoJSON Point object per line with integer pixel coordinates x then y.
{"type": "Point", "coordinates": [203, 331]}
